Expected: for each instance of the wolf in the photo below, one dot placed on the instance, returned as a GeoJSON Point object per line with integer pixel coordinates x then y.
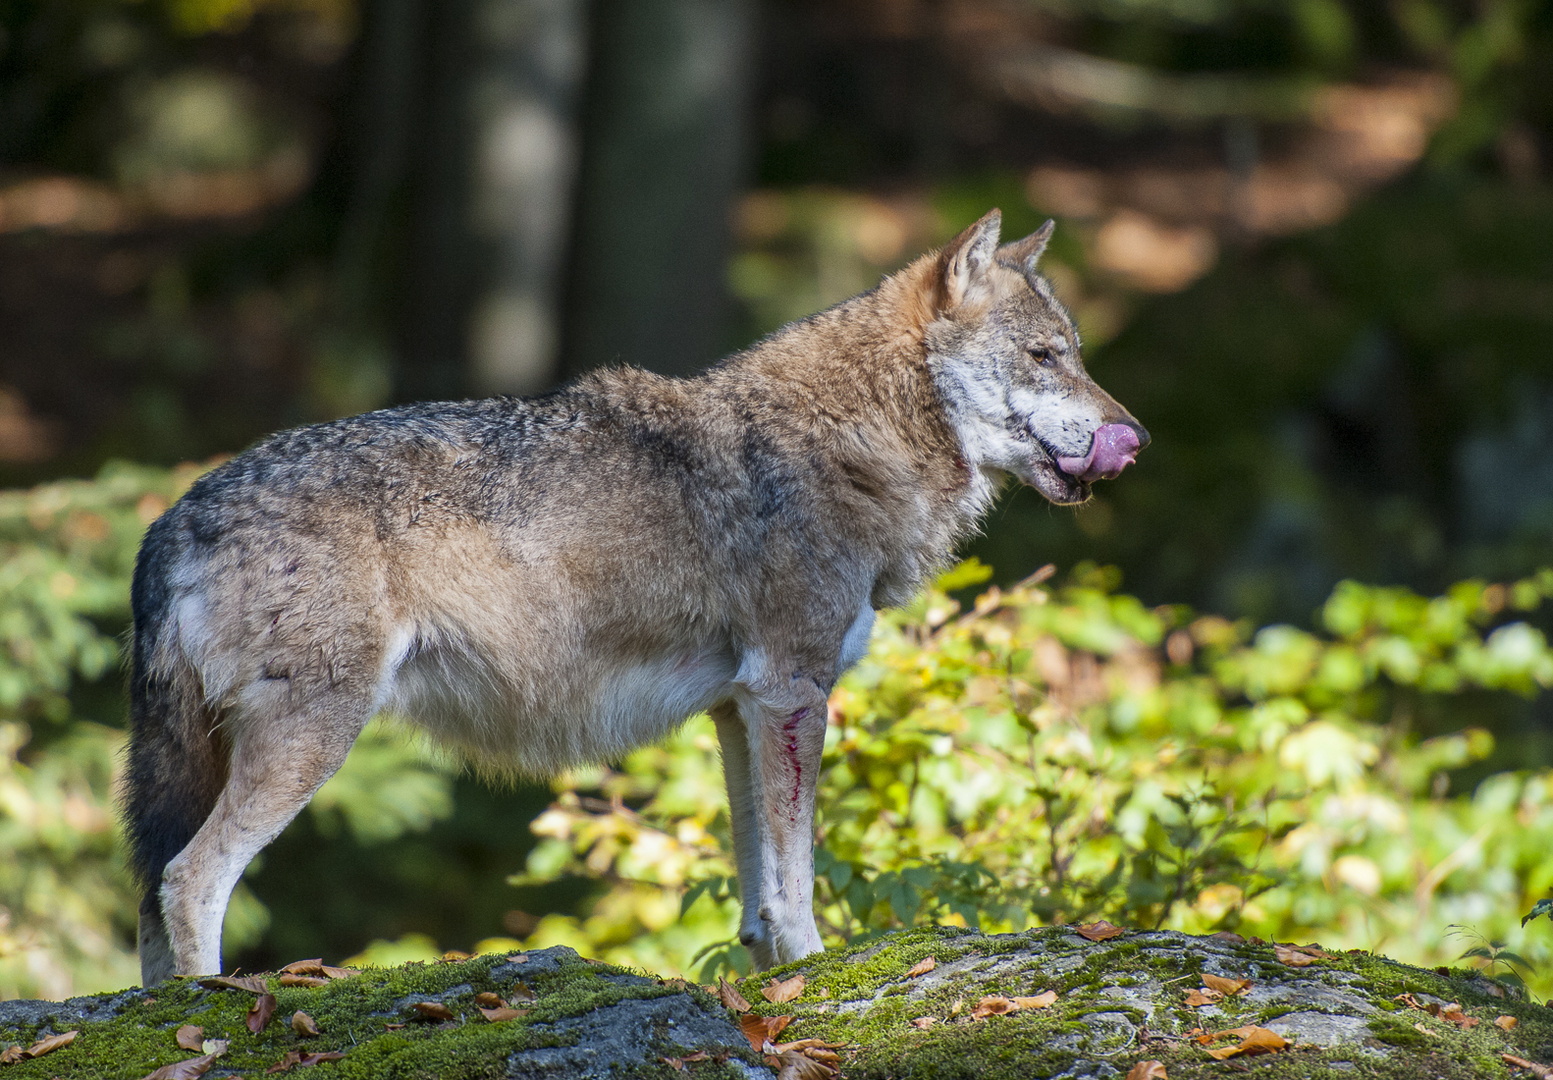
{"type": "Point", "coordinates": [555, 580]}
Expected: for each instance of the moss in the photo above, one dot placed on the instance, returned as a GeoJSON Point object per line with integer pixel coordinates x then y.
{"type": "Point", "coordinates": [1119, 1002]}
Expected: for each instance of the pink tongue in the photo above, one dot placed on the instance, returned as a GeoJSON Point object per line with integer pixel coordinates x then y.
{"type": "Point", "coordinates": [1115, 447]}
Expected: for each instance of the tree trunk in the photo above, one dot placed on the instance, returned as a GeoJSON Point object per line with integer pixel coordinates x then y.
{"type": "Point", "coordinates": [666, 146]}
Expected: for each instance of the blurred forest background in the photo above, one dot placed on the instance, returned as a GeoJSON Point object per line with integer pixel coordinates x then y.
{"type": "Point", "coordinates": [1309, 243]}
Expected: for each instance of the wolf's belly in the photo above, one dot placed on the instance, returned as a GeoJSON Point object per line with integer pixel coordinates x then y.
{"type": "Point", "coordinates": [535, 719]}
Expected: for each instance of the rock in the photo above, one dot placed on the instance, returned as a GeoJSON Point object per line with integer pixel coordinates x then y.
{"type": "Point", "coordinates": [1118, 1002]}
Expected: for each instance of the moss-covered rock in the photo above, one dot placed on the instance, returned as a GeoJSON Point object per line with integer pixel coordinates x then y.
{"type": "Point", "coordinates": [1117, 1002]}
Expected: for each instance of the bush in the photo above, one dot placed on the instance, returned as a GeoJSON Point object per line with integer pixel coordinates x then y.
{"type": "Point", "coordinates": [1064, 754]}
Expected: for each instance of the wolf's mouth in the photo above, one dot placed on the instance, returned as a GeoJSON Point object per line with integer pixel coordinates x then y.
{"type": "Point", "coordinates": [1047, 477]}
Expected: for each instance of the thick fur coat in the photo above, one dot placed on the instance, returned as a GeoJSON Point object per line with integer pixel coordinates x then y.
{"type": "Point", "coordinates": [555, 580]}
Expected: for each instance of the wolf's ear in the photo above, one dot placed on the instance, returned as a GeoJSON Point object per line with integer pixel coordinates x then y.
{"type": "Point", "coordinates": [1022, 255]}
{"type": "Point", "coordinates": [967, 257]}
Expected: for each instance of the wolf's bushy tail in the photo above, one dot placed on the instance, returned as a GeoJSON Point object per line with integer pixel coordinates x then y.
{"type": "Point", "coordinates": [177, 760]}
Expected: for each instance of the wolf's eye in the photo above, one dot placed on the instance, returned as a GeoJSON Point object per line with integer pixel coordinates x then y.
{"type": "Point", "coordinates": [1040, 354]}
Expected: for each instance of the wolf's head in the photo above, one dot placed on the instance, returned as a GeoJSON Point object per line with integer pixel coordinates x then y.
{"type": "Point", "coordinates": [1005, 356]}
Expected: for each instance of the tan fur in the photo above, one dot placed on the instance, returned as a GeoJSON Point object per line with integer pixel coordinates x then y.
{"type": "Point", "coordinates": [553, 581]}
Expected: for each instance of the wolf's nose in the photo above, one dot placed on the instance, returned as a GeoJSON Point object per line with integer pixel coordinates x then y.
{"type": "Point", "coordinates": [1112, 448]}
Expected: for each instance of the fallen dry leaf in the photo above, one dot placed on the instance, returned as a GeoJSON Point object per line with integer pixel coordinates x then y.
{"type": "Point", "coordinates": [488, 1000]}
{"type": "Point", "coordinates": [253, 984]}
{"type": "Point", "coordinates": [1453, 1013]}
{"type": "Point", "coordinates": [521, 992]}
{"type": "Point", "coordinates": [260, 1011]}
{"type": "Point", "coordinates": [1147, 1070]}
{"type": "Point", "coordinates": [188, 1069]}
{"type": "Point", "coordinates": [303, 1024]}
{"type": "Point", "coordinates": [992, 1005]}
{"type": "Point", "coordinates": [1099, 931]}
{"type": "Point", "coordinates": [1225, 935]}
{"type": "Point", "coordinates": [1039, 1001]}
{"type": "Point", "coordinates": [786, 990]}
{"type": "Point", "coordinates": [1427, 1031]}
{"type": "Point", "coordinates": [760, 1030]}
{"type": "Point", "coordinates": [306, 1060]}
{"type": "Point", "coordinates": [678, 1063]}
{"type": "Point", "coordinates": [49, 1044]}
{"type": "Point", "coordinates": [793, 1065]}
{"type": "Point", "coordinates": [1411, 1002]}
{"type": "Point", "coordinates": [1293, 957]}
{"type": "Point", "coordinates": [1506, 1022]}
{"type": "Point", "coordinates": [215, 1046]}
{"type": "Point", "coordinates": [1541, 1072]}
{"type": "Point", "coordinates": [432, 1010]}
{"type": "Point", "coordinates": [922, 1023]}
{"type": "Point", "coordinates": [1227, 987]}
{"type": "Point", "coordinates": [313, 981]}
{"type": "Point", "coordinates": [12, 1054]}
{"type": "Point", "coordinates": [1202, 996]}
{"type": "Point", "coordinates": [731, 998]}
{"type": "Point", "coordinates": [1253, 1040]}
{"type": "Point", "coordinates": [922, 967]}
{"type": "Point", "coordinates": [318, 967]}
{"type": "Point", "coordinates": [496, 1016]}
{"type": "Point", "coordinates": [518, 958]}
{"type": "Point", "coordinates": [191, 1037]}
{"type": "Point", "coordinates": [304, 967]}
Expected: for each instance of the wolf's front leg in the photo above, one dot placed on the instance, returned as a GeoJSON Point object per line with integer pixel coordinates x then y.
{"type": "Point", "coordinates": [771, 756]}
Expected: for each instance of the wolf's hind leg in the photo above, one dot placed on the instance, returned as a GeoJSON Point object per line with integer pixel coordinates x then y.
{"type": "Point", "coordinates": [278, 763]}
{"type": "Point", "coordinates": [783, 717]}
{"type": "Point", "coordinates": [743, 815]}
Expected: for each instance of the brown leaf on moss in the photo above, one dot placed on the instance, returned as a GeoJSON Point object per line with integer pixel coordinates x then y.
{"type": "Point", "coordinates": [488, 1000]}
{"type": "Point", "coordinates": [1293, 956]}
{"type": "Point", "coordinates": [785, 990]}
{"type": "Point", "coordinates": [731, 998]}
{"type": "Point", "coordinates": [1454, 1014]}
{"type": "Point", "coordinates": [1039, 1001]}
{"type": "Point", "coordinates": [313, 981]}
{"type": "Point", "coordinates": [1147, 1070]}
{"type": "Point", "coordinates": [188, 1069]}
{"type": "Point", "coordinates": [496, 1016]}
{"type": "Point", "coordinates": [1429, 1031]}
{"type": "Point", "coordinates": [1202, 996]}
{"type": "Point", "coordinates": [518, 958]}
{"type": "Point", "coordinates": [1541, 1072]}
{"type": "Point", "coordinates": [1506, 1022]}
{"type": "Point", "coordinates": [678, 1063]}
{"type": "Point", "coordinates": [993, 1005]}
{"type": "Point", "coordinates": [521, 992]}
{"type": "Point", "coordinates": [1227, 987]}
{"type": "Point", "coordinates": [12, 1054]}
{"type": "Point", "coordinates": [253, 984]}
{"type": "Point", "coordinates": [793, 1065]}
{"type": "Point", "coordinates": [1225, 935]}
{"type": "Point", "coordinates": [760, 1030]}
{"type": "Point", "coordinates": [340, 973]}
{"type": "Point", "coordinates": [432, 1010]}
{"type": "Point", "coordinates": [1099, 931]}
{"type": "Point", "coordinates": [1411, 1002]}
{"type": "Point", "coordinates": [260, 1011]}
{"type": "Point", "coordinates": [303, 1024]}
{"type": "Point", "coordinates": [50, 1044]}
{"type": "Point", "coordinates": [305, 1060]}
{"type": "Point", "coordinates": [922, 1023]}
{"type": "Point", "coordinates": [922, 967]}
{"type": "Point", "coordinates": [304, 967]}
{"type": "Point", "coordinates": [1253, 1040]}
{"type": "Point", "coordinates": [190, 1037]}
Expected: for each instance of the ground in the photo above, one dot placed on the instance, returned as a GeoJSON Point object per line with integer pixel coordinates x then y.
{"type": "Point", "coordinates": [1118, 1002]}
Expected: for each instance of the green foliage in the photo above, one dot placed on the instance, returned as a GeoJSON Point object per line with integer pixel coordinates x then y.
{"type": "Point", "coordinates": [1056, 754]}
